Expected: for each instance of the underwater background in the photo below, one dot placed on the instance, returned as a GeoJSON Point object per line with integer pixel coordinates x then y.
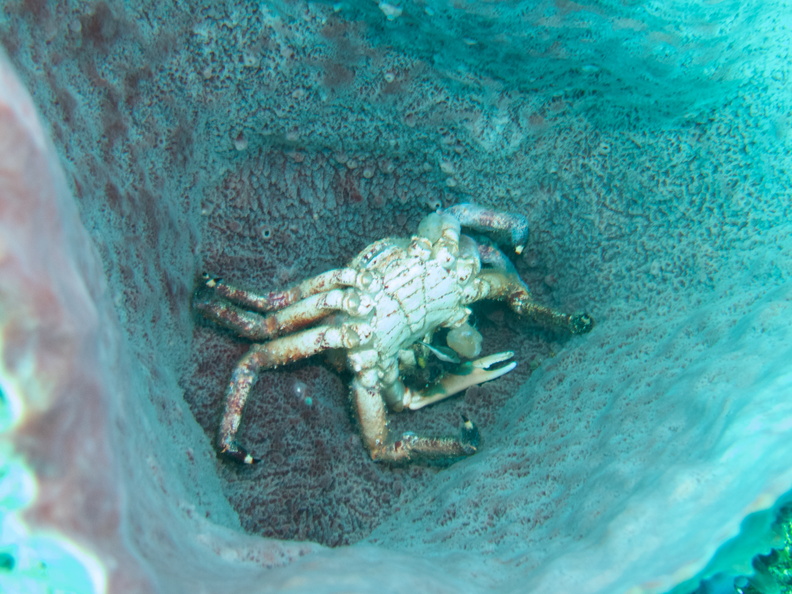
{"type": "Point", "coordinates": [648, 144]}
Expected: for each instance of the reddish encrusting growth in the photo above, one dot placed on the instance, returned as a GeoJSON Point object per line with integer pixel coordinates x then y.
{"type": "Point", "coordinates": [100, 27]}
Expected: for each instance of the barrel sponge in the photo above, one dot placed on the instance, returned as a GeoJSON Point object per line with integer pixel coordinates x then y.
{"type": "Point", "coordinates": [87, 483]}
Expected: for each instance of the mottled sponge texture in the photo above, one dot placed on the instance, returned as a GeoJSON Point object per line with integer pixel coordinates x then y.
{"type": "Point", "coordinates": [648, 148]}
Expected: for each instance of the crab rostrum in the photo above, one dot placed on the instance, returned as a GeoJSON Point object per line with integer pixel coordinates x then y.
{"type": "Point", "coordinates": [391, 297]}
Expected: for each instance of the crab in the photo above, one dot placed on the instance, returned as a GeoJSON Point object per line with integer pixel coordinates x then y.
{"type": "Point", "coordinates": [390, 299]}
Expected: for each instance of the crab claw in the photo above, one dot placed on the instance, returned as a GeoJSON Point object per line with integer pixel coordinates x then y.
{"type": "Point", "coordinates": [477, 372]}
{"type": "Point", "coordinates": [483, 364]}
{"type": "Point", "coordinates": [461, 378]}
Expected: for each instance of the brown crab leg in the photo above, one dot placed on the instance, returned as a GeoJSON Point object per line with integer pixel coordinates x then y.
{"type": "Point", "coordinates": [274, 300]}
{"type": "Point", "coordinates": [407, 447]}
{"type": "Point", "coordinates": [254, 326]}
{"type": "Point", "coordinates": [266, 356]}
{"type": "Point", "coordinates": [247, 324]}
{"type": "Point", "coordinates": [504, 286]}
{"type": "Point", "coordinates": [579, 323]}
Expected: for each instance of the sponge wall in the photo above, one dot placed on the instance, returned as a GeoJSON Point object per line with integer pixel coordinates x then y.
{"type": "Point", "coordinates": [101, 467]}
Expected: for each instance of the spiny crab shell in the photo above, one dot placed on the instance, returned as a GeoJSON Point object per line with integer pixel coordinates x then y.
{"type": "Point", "coordinates": [393, 295]}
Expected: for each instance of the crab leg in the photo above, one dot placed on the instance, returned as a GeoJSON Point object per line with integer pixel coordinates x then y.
{"type": "Point", "coordinates": [507, 228]}
{"type": "Point", "coordinates": [274, 300]}
{"type": "Point", "coordinates": [265, 356]}
{"type": "Point", "coordinates": [256, 327]}
{"type": "Point", "coordinates": [392, 389]}
{"type": "Point", "coordinates": [491, 255]}
{"type": "Point", "coordinates": [579, 323]}
{"type": "Point", "coordinates": [508, 287]}
{"type": "Point", "coordinates": [470, 373]}
{"type": "Point", "coordinates": [407, 447]}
